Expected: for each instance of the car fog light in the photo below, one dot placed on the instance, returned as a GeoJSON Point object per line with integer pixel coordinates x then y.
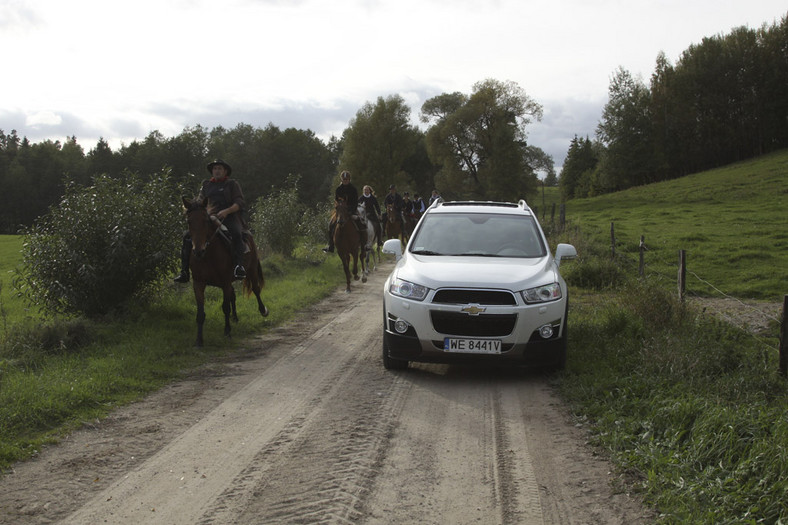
{"type": "Point", "coordinates": [546, 331]}
{"type": "Point", "coordinates": [401, 326]}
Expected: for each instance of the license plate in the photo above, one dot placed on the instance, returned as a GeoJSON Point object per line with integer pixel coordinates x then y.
{"type": "Point", "coordinates": [472, 346]}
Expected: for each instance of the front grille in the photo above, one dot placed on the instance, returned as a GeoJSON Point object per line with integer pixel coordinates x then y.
{"type": "Point", "coordinates": [485, 297]}
{"type": "Point", "coordinates": [484, 325]}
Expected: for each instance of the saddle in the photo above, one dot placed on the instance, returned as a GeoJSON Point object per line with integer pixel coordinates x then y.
{"type": "Point", "coordinates": [224, 233]}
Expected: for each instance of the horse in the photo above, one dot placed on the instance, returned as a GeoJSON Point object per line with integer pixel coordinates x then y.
{"type": "Point", "coordinates": [211, 265]}
{"type": "Point", "coordinates": [371, 248]}
{"type": "Point", "coordinates": [347, 241]}
{"type": "Point", "coordinates": [393, 224]}
{"type": "Point", "coordinates": [410, 223]}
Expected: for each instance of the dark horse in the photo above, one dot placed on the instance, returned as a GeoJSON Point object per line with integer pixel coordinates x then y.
{"type": "Point", "coordinates": [211, 265]}
{"type": "Point", "coordinates": [347, 241]}
{"type": "Point", "coordinates": [393, 224]}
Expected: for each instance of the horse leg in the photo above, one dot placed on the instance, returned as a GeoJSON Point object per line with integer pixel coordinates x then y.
{"type": "Point", "coordinates": [227, 306]}
{"type": "Point", "coordinates": [256, 279]}
{"type": "Point", "coordinates": [355, 265]}
{"type": "Point", "coordinates": [199, 297]}
{"type": "Point", "coordinates": [346, 267]}
{"type": "Point", "coordinates": [234, 313]}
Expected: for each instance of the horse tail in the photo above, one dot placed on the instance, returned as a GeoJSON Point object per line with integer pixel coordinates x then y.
{"type": "Point", "coordinates": [248, 286]}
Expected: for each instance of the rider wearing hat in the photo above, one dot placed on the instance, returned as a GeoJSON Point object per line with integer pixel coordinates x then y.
{"type": "Point", "coordinates": [349, 193]}
{"type": "Point", "coordinates": [226, 201]}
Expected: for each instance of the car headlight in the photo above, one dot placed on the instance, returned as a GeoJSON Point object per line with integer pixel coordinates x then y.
{"type": "Point", "coordinates": [542, 294]}
{"type": "Point", "coordinates": [407, 289]}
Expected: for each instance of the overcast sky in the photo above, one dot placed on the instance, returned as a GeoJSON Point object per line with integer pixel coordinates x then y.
{"type": "Point", "coordinates": [119, 70]}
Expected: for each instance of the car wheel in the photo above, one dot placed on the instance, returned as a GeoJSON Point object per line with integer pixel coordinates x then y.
{"type": "Point", "coordinates": [389, 363]}
{"type": "Point", "coordinates": [560, 362]}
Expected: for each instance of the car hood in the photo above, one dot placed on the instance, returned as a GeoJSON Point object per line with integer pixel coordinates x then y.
{"type": "Point", "coordinates": [477, 272]}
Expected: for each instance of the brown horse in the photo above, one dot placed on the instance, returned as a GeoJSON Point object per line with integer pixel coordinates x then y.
{"type": "Point", "coordinates": [347, 241]}
{"type": "Point", "coordinates": [410, 223]}
{"type": "Point", "coordinates": [211, 265]}
{"type": "Point", "coordinates": [393, 224]}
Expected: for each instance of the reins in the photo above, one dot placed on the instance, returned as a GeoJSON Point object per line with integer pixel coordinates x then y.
{"type": "Point", "coordinates": [210, 219]}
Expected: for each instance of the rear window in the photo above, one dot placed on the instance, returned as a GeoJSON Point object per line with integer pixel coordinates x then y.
{"type": "Point", "coordinates": [480, 234]}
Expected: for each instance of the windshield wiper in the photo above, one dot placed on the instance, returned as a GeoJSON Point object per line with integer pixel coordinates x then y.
{"type": "Point", "coordinates": [475, 254]}
{"type": "Point", "coordinates": [426, 252]}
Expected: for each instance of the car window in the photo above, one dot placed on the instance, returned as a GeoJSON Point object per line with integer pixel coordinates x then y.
{"type": "Point", "coordinates": [481, 234]}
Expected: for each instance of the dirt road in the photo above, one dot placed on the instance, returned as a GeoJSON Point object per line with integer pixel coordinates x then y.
{"type": "Point", "coordinates": [307, 427]}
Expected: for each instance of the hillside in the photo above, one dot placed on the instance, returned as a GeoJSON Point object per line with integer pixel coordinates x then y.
{"type": "Point", "coordinates": [731, 222]}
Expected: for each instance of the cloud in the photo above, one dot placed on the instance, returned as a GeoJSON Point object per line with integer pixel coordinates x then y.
{"type": "Point", "coordinates": [43, 118]}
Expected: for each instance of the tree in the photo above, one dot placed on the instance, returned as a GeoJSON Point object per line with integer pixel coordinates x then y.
{"type": "Point", "coordinates": [379, 143]}
{"type": "Point", "coordinates": [626, 133]}
{"type": "Point", "coordinates": [479, 142]}
{"type": "Point", "coordinates": [576, 175]}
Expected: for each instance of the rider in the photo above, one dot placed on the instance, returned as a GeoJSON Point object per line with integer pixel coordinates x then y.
{"type": "Point", "coordinates": [395, 199]}
{"type": "Point", "coordinates": [418, 205]}
{"type": "Point", "coordinates": [225, 201]}
{"type": "Point", "coordinates": [372, 207]}
{"type": "Point", "coordinates": [347, 191]}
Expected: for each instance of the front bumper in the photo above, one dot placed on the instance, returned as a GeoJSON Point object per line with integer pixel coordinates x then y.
{"type": "Point", "coordinates": [522, 345]}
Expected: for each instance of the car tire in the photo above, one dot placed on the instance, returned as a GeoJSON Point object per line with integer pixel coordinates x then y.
{"type": "Point", "coordinates": [560, 362]}
{"type": "Point", "coordinates": [389, 363]}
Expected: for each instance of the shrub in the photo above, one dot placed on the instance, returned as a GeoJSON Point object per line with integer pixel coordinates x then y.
{"type": "Point", "coordinates": [101, 246]}
{"type": "Point", "coordinates": [275, 219]}
{"type": "Point", "coordinates": [280, 221]}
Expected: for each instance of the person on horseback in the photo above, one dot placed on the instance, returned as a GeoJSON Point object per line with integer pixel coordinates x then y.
{"type": "Point", "coordinates": [372, 207]}
{"type": "Point", "coordinates": [395, 199]}
{"type": "Point", "coordinates": [225, 201]}
{"type": "Point", "coordinates": [347, 191]}
{"type": "Point", "coordinates": [418, 205]}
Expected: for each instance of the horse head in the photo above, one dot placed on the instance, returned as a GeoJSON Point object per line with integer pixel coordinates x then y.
{"type": "Point", "coordinates": [201, 229]}
{"type": "Point", "coordinates": [341, 210]}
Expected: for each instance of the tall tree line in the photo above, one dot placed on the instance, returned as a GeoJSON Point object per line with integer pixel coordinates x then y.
{"type": "Point", "coordinates": [725, 100]}
{"type": "Point", "coordinates": [34, 175]}
{"type": "Point", "coordinates": [475, 147]}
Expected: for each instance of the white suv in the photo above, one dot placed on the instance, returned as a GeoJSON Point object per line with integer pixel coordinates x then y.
{"type": "Point", "coordinates": [476, 282]}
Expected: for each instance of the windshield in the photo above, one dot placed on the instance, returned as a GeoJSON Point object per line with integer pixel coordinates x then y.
{"type": "Point", "coordinates": [479, 234]}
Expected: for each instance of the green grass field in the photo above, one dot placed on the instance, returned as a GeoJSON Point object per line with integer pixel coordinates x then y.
{"type": "Point", "coordinates": [12, 309]}
{"type": "Point", "coordinates": [731, 222]}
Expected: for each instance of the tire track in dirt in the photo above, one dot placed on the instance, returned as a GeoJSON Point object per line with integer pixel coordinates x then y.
{"type": "Point", "coordinates": [200, 464]}
{"type": "Point", "coordinates": [319, 468]}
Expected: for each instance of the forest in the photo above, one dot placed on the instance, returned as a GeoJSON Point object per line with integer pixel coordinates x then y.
{"type": "Point", "coordinates": [725, 100]}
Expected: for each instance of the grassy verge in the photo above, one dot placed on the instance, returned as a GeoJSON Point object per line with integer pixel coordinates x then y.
{"type": "Point", "coordinates": [54, 376]}
{"type": "Point", "coordinates": [692, 410]}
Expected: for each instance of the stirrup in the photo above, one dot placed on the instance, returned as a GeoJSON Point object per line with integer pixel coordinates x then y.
{"type": "Point", "coordinates": [240, 272]}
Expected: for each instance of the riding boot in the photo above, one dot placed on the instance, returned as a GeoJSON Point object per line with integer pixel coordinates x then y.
{"type": "Point", "coordinates": [330, 248]}
{"type": "Point", "coordinates": [186, 249]}
{"type": "Point", "coordinates": [239, 272]}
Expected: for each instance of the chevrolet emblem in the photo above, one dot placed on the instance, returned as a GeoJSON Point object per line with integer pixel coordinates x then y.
{"type": "Point", "coordinates": [473, 309]}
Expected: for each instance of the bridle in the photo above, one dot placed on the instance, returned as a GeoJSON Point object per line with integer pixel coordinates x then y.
{"type": "Point", "coordinates": [208, 220]}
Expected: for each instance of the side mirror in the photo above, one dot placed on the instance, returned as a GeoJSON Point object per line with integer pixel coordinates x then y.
{"type": "Point", "coordinates": [393, 246]}
{"type": "Point", "coordinates": [564, 251]}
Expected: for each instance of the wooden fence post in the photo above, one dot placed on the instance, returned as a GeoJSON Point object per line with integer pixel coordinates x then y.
{"type": "Point", "coordinates": [783, 337]}
{"type": "Point", "coordinates": [682, 274]}
{"type": "Point", "coordinates": [642, 249]}
{"type": "Point", "coordinates": [562, 210]}
{"type": "Point", "coordinates": [612, 241]}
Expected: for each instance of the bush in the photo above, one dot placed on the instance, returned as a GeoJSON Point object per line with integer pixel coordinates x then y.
{"type": "Point", "coordinates": [275, 219]}
{"type": "Point", "coordinates": [101, 246]}
{"type": "Point", "coordinates": [280, 221]}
